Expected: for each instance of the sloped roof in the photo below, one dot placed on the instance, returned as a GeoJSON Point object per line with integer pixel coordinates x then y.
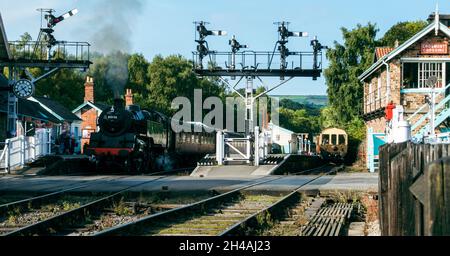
{"type": "Point", "coordinates": [380, 52]}
{"type": "Point", "coordinates": [98, 106]}
{"type": "Point", "coordinates": [431, 27]}
{"type": "Point", "coordinates": [58, 109]}
{"type": "Point", "coordinates": [28, 108]}
{"type": "Point", "coordinates": [35, 110]}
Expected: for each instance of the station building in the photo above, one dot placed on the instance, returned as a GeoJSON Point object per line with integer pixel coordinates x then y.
{"type": "Point", "coordinates": [88, 112]}
{"type": "Point", "coordinates": [400, 78]}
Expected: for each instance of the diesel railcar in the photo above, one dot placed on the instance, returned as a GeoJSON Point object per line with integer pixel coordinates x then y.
{"type": "Point", "coordinates": [332, 144]}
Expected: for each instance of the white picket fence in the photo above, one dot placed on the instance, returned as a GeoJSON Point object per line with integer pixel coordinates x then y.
{"type": "Point", "coordinates": [21, 150]}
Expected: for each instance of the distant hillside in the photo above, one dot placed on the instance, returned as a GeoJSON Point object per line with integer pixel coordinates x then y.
{"type": "Point", "coordinates": [318, 100]}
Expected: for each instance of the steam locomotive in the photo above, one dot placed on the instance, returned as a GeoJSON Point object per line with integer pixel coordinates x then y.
{"type": "Point", "coordinates": [142, 141]}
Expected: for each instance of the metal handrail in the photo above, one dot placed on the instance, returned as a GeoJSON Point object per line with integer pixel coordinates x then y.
{"type": "Point", "coordinates": [424, 117]}
{"type": "Point", "coordinates": [37, 51]}
{"type": "Point", "coordinates": [373, 103]}
{"type": "Point", "coordinates": [257, 60]}
{"type": "Point", "coordinates": [425, 105]}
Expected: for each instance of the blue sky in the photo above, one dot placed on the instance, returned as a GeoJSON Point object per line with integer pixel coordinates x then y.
{"type": "Point", "coordinates": [165, 26]}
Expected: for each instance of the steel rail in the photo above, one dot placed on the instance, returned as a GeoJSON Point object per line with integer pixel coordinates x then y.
{"type": "Point", "coordinates": [136, 227]}
{"type": "Point", "coordinates": [41, 199]}
{"type": "Point", "coordinates": [74, 215]}
{"type": "Point", "coordinates": [38, 200]}
{"type": "Point", "coordinates": [275, 209]}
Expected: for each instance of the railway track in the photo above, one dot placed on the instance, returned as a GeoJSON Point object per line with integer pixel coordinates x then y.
{"type": "Point", "coordinates": [121, 213]}
{"type": "Point", "coordinates": [103, 213]}
{"type": "Point", "coordinates": [224, 214]}
{"type": "Point", "coordinates": [26, 212]}
{"type": "Point", "coordinates": [11, 204]}
{"type": "Point", "coordinates": [7, 200]}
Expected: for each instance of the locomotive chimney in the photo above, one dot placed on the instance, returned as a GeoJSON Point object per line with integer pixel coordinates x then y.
{"type": "Point", "coordinates": [89, 89]}
{"type": "Point", "coordinates": [129, 97]}
{"type": "Point", "coordinates": [118, 104]}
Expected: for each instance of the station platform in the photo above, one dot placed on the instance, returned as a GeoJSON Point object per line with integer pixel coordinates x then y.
{"type": "Point", "coordinates": [355, 182]}
{"type": "Point", "coordinates": [271, 165]}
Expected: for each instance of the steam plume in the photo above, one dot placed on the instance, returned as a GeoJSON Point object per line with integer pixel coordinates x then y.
{"type": "Point", "coordinates": [112, 31]}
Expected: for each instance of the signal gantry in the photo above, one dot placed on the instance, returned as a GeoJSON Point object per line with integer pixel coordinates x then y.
{"type": "Point", "coordinates": [47, 53]}
{"type": "Point", "coordinates": [243, 63]}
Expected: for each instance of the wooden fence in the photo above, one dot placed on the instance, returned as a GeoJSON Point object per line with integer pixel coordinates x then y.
{"type": "Point", "coordinates": [414, 189]}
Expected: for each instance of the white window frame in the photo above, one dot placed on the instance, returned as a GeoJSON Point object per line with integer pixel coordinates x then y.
{"type": "Point", "coordinates": [426, 68]}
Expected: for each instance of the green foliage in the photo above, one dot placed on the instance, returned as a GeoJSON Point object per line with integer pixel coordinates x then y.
{"type": "Point", "coordinates": [402, 31]}
{"type": "Point", "coordinates": [290, 104]}
{"type": "Point", "coordinates": [65, 86]}
{"type": "Point", "coordinates": [356, 129]}
{"type": "Point", "coordinates": [121, 209]}
{"type": "Point", "coordinates": [173, 77]}
{"type": "Point", "coordinates": [328, 117]}
{"type": "Point", "coordinates": [298, 121]}
{"type": "Point", "coordinates": [138, 73]}
{"type": "Point", "coordinates": [347, 62]}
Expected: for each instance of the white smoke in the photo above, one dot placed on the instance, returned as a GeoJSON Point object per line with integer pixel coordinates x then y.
{"type": "Point", "coordinates": [113, 26]}
{"type": "Point", "coordinates": [112, 32]}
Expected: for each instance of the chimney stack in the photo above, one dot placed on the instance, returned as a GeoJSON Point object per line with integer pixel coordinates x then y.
{"type": "Point", "coordinates": [397, 43]}
{"type": "Point", "coordinates": [89, 89]}
{"type": "Point", "coordinates": [129, 97]}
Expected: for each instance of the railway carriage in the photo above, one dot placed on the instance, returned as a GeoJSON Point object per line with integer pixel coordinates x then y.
{"type": "Point", "coordinates": [332, 144]}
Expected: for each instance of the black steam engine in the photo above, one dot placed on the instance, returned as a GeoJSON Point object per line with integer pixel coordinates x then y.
{"type": "Point", "coordinates": [143, 141]}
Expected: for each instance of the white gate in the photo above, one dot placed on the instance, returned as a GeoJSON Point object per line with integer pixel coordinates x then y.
{"type": "Point", "coordinates": [21, 150]}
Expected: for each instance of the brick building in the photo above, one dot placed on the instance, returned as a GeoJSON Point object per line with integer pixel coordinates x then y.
{"type": "Point", "coordinates": [401, 75]}
{"type": "Point", "coordinates": [88, 111]}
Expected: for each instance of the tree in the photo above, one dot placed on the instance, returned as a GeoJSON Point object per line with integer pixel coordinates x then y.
{"type": "Point", "coordinates": [347, 62]}
{"type": "Point", "coordinates": [172, 77]}
{"type": "Point", "coordinates": [298, 121]}
{"type": "Point", "coordinates": [102, 91]}
{"type": "Point", "coordinates": [402, 31]}
{"type": "Point", "coordinates": [328, 117]}
{"type": "Point", "coordinates": [138, 76]}
{"type": "Point", "coordinates": [65, 86]}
